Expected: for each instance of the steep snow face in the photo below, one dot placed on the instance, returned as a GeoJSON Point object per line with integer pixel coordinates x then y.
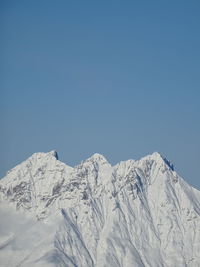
{"type": "Point", "coordinates": [34, 184]}
{"type": "Point", "coordinates": [136, 213]}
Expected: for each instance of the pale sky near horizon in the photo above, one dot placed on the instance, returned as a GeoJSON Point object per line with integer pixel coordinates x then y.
{"type": "Point", "coordinates": [120, 78]}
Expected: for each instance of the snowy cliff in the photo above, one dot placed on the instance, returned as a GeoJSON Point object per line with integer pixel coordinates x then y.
{"type": "Point", "coordinates": [136, 213]}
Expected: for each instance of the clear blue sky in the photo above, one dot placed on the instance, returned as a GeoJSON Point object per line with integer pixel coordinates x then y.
{"type": "Point", "coordinates": [121, 78]}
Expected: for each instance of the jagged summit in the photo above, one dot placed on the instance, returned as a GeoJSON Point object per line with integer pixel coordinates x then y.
{"type": "Point", "coordinates": [50, 154]}
{"type": "Point", "coordinates": [158, 158]}
{"type": "Point", "coordinates": [137, 213]}
{"type": "Point", "coordinates": [96, 157]}
{"type": "Point", "coordinates": [54, 153]}
{"type": "Point", "coordinates": [156, 155]}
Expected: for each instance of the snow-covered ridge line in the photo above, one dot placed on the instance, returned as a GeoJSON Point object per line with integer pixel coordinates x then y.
{"type": "Point", "coordinates": [95, 157]}
{"type": "Point", "coordinates": [42, 181]}
{"type": "Point", "coordinates": [135, 213]}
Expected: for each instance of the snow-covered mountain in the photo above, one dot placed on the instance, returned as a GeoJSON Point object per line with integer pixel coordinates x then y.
{"type": "Point", "coordinates": [136, 213]}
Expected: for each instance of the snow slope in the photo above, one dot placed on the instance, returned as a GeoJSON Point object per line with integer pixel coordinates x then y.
{"type": "Point", "coordinates": [136, 213]}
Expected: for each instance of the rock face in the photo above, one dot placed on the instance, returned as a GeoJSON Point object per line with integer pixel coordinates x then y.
{"type": "Point", "coordinates": [136, 213]}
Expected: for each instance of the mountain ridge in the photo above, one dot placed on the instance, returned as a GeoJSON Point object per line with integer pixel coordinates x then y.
{"type": "Point", "coordinates": [137, 212]}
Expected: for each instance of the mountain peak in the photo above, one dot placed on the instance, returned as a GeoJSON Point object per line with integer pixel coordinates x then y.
{"type": "Point", "coordinates": [159, 159]}
{"type": "Point", "coordinates": [40, 155]}
{"type": "Point", "coordinates": [97, 157]}
{"type": "Point", "coordinates": [53, 153]}
{"type": "Point", "coordinates": [95, 208]}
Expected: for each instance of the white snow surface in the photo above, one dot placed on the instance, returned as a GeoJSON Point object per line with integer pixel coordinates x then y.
{"type": "Point", "coordinates": [136, 213]}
